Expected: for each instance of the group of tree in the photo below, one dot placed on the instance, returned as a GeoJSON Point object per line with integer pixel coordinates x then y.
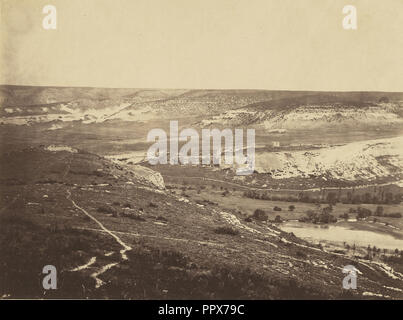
{"type": "Point", "coordinates": [379, 198]}
{"type": "Point", "coordinates": [320, 216]}
{"type": "Point", "coordinates": [329, 197]}
{"type": "Point", "coordinates": [363, 213]}
{"type": "Point", "coordinates": [372, 252]}
{"type": "Point", "coordinates": [255, 194]}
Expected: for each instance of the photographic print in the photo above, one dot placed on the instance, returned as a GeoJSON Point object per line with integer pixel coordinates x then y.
{"type": "Point", "coordinates": [201, 150]}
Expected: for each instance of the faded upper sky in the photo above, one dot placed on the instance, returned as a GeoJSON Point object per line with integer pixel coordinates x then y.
{"type": "Point", "coordinates": [261, 44]}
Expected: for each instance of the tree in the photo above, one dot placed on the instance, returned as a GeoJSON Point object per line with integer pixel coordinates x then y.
{"type": "Point", "coordinates": [331, 198]}
{"type": "Point", "coordinates": [379, 211]}
{"type": "Point", "coordinates": [356, 199]}
{"type": "Point", "coordinates": [328, 209]}
{"type": "Point", "coordinates": [344, 216]}
{"type": "Point", "coordinates": [389, 198]}
{"type": "Point", "coordinates": [363, 213]}
{"type": "Point", "coordinates": [367, 198]}
{"type": "Point", "coordinates": [259, 214]}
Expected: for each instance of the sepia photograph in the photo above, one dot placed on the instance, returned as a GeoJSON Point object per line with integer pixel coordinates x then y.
{"type": "Point", "coordinates": [201, 150]}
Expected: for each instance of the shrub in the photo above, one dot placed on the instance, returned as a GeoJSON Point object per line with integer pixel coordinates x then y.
{"type": "Point", "coordinates": [363, 213]}
{"type": "Point", "coordinates": [315, 217]}
{"type": "Point", "coordinates": [248, 219]}
{"type": "Point", "coordinates": [278, 219]}
{"type": "Point", "coordinates": [301, 254]}
{"type": "Point", "coordinates": [226, 230]}
{"type": "Point", "coordinates": [133, 216]}
{"type": "Point", "coordinates": [277, 208]}
{"type": "Point", "coordinates": [259, 214]}
{"type": "Point", "coordinates": [379, 211]}
{"type": "Point", "coordinates": [106, 209]}
{"type": "Point", "coordinates": [153, 205]}
{"type": "Point", "coordinates": [326, 218]}
{"type": "Point", "coordinates": [344, 216]}
{"type": "Point", "coordinates": [291, 208]}
{"type": "Point", "coordinates": [394, 215]}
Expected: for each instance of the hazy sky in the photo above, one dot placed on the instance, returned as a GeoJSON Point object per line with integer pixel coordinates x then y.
{"type": "Point", "coordinates": [262, 44]}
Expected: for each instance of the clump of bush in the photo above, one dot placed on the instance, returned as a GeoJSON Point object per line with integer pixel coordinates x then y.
{"type": "Point", "coordinates": [394, 215]}
{"type": "Point", "coordinates": [106, 209]}
{"type": "Point", "coordinates": [153, 205]}
{"type": "Point", "coordinates": [291, 208]}
{"type": "Point", "coordinates": [363, 213]}
{"type": "Point", "coordinates": [261, 215]}
{"type": "Point", "coordinates": [344, 216]}
{"type": "Point", "coordinates": [161, 218]}
{"type": "Point", "coordinates": [226, 230]}
{"type": "Point", "coordinates": [277, 208]}
{"type": "Point", "coordinates": [319, 217]}
{"type": "Point", "coordinates": [301, 254]}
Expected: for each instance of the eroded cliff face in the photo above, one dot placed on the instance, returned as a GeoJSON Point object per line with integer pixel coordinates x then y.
{"type": "Point", "coordinates": [310, 116]}
{"type": "Point", "coordinates": [148, 175]}
{"type": "Point", "coordinates": [365, 160]}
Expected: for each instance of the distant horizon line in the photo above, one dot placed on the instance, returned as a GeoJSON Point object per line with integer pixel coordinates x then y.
{"type": "Point", "coordinates": [209, 89]}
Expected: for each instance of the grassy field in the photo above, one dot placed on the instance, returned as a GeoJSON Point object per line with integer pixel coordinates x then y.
{"type": "Point", "coordinates": [235, 201]}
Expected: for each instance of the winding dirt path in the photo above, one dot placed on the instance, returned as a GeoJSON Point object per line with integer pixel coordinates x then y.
{"type": "Point", "coordinates": [122, 252]}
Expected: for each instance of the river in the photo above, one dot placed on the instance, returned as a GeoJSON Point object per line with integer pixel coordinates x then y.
{"type": "Point", "coordinates": [334, 233]}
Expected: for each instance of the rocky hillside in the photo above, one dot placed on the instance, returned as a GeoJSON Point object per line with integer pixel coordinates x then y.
{"type": "Point", "coordinates": [111, 235]}
{"type": "Point", "coordinates": [313, 113]}
{"type": "Point", "coordinates": [270, 109]}
{"type": "Point", "coordinates": [365, 160]}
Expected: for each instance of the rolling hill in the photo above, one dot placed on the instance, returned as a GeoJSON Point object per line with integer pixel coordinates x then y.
{"type": "Point", "coordinates": [112, 235]}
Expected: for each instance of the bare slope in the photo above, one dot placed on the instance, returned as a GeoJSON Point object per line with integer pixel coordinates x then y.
{"type": "Point", "coordinates": [364, 160]}
{"type": "Point", "coordinates": [315, 111]}
{"type": "Point", "coordinates": [79, 211]}
{"type": "Point", "coordinates": [22, 105]}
